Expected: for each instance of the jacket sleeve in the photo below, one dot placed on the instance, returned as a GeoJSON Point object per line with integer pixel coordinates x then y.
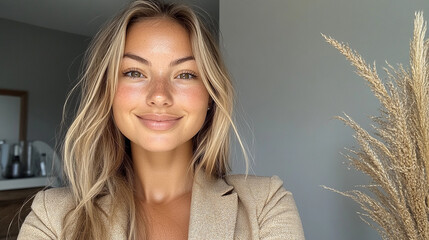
{"type": "Point", "coordinates": [279, 218]}
{"type": "Point", "coordinates": [37, 224]}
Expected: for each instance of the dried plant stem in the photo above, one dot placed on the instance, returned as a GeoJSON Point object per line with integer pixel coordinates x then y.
{"type": "Point", "coordinates": [397, 157]}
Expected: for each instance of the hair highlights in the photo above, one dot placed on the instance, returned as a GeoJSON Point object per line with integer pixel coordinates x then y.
{"type": "Point", "coordinates": [96, 155]}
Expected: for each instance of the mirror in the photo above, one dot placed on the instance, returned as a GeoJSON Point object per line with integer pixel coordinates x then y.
{"type": "Point", "coordinates": [13, 115]}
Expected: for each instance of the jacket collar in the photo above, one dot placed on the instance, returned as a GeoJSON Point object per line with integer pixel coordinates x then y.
{"type": "Point", "coordinates": [213, 209]}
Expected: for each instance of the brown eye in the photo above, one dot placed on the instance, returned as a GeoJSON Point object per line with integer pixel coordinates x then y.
{"type": "Point", "coordinates": [133, 74]}
{"type": "Point", "coordinates": [186, 76]}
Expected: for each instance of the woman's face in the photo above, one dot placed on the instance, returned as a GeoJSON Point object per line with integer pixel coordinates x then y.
{"type": "Point", "coordinates": [160, 102]}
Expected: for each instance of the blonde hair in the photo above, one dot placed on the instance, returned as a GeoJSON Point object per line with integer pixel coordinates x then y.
{"type": "Point", "coordinates": [96, 155]}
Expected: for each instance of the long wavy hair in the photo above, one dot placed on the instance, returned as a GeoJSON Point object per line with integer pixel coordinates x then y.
{"type": "Point", "coordinates": [96, 155]}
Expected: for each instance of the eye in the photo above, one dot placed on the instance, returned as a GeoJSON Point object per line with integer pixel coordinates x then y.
{"type": "Point", "coordinates": [133, 74]}
{"type": "Point", "coordinates": [186, 75]}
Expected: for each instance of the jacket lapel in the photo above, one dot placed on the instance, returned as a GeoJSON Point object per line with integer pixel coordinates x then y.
{"type": "Point", "coordinates": [117, 229]}
{"type": "Point", "coordinates": [213, 209]}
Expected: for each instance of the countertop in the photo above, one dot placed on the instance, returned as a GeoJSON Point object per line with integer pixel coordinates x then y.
{"type": "Point", "coordinates": [21, 183]}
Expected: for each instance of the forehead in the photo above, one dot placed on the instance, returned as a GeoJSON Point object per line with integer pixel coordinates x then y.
{"type": "Point", "coordinates": [157, 35]}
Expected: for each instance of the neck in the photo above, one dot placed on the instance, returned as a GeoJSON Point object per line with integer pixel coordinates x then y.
{"type": "Point", "coordinates": [162, 176]}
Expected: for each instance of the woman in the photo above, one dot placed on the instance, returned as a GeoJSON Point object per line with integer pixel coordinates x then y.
{"type": "Point", "coordinates": [147, 154]}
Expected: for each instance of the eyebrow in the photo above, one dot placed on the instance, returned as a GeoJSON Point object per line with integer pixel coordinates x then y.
{"type": "Point", "coordinates": [181, 60]}
{"type": "Point", "coordinates": [146, 62]}
{"type": "Point", "coordinates": [137, 58]}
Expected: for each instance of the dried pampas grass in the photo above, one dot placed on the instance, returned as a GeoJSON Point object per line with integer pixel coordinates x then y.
{"type": "Point", "coordinates": [396, 156]}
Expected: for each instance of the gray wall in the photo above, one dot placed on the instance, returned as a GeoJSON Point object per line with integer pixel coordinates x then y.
{"type": "Point", "coordinates": [291, 83]}
{"type": "Point", "coordinates": [208, 9]}
{"type": "Point", "coordinates": [44, 63]}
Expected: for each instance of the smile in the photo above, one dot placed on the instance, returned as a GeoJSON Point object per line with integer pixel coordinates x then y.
{"type": "Point", "coordinates": [159, 122]}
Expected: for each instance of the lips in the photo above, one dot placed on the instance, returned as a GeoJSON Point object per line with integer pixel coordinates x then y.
{"type": "Point", "coordinates": [159, 122]}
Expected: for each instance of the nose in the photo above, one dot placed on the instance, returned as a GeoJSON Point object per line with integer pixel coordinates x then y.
{"type": "Point", "coordinates": [159, 93]}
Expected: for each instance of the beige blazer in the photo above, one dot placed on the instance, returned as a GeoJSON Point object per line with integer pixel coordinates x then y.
{"type": "Point", "coordinates": [231, 208]}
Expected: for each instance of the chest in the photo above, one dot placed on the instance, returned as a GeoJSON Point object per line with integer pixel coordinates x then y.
{"type": "Point", "coordinates": [168, 221]}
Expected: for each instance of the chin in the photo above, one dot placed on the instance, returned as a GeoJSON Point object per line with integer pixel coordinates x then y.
{"type": "Point", "coordinates": [159, 149]}
{"type": "Point", "coordinates": [159, 146]}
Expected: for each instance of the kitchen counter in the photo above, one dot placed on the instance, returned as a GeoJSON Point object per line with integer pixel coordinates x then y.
{"type": "Point", "coordinates": [21, 183]}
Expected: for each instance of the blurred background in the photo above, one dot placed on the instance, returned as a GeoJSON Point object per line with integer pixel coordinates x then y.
{"type": "Point", "coordinates": [289, 83]}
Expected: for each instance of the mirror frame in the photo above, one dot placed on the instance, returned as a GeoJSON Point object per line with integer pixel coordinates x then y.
{"type": "Point", "coordinates": [23, 95]}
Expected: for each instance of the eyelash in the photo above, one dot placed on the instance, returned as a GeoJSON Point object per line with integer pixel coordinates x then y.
{"type": "Point", "coordinates": [192, 74]}
{"type": "Point", "coordinates": [129, 73]}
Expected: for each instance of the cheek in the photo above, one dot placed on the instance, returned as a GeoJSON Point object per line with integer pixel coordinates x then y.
{"type": "Point", "coordinates": [197, 97]}
{"type": "Point", "coordinates": [123, 103]}
{"type": "Point", "coordinates": [125, 91]}
{"type": "Point", "coordinates": [124, 98]}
